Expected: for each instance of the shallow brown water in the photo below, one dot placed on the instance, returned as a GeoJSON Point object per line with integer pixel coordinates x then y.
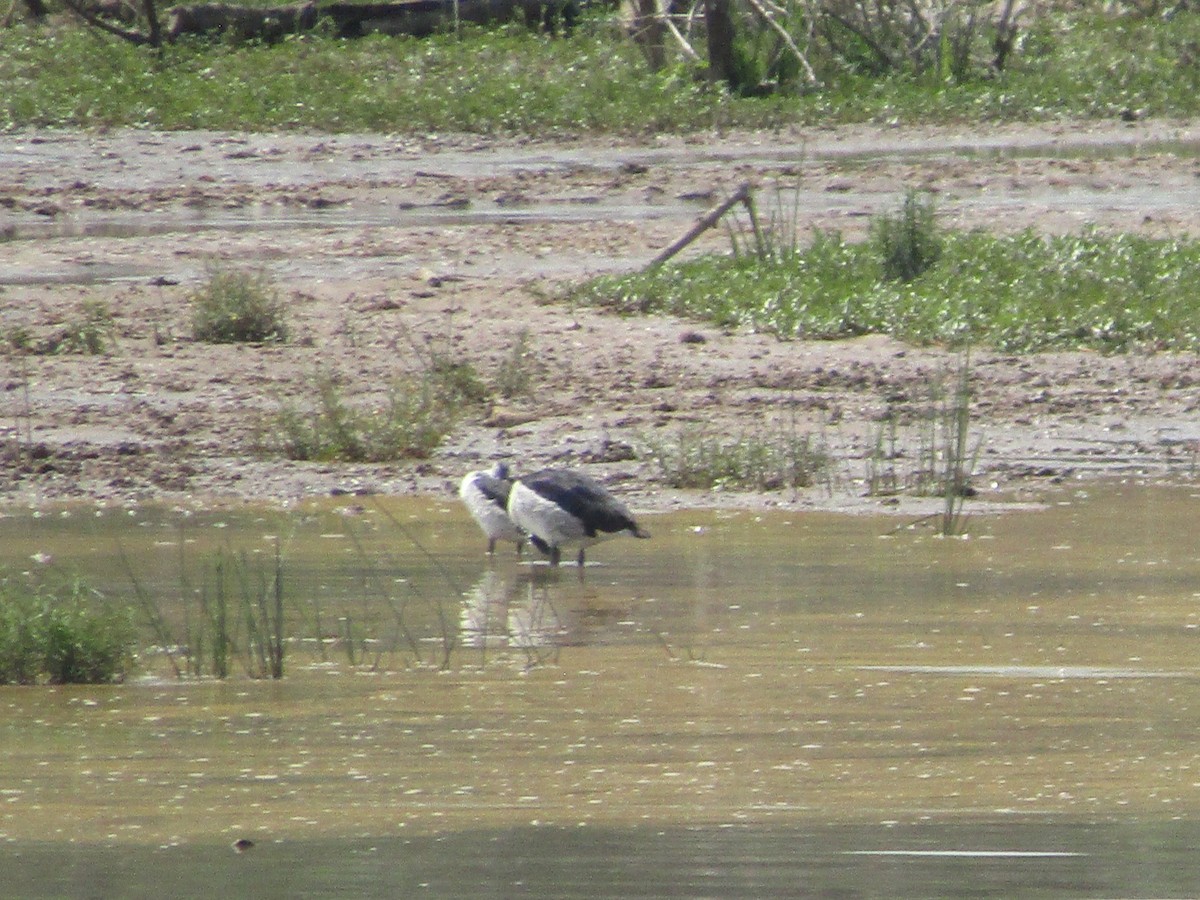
{"type": "Point", "coordinates": [746, 705]}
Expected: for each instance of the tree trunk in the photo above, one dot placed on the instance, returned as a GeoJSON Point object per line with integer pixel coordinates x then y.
{"type": "Point", "coordinates": [649, 32]}
{"type": "Point", "coordinates": [719, 21]}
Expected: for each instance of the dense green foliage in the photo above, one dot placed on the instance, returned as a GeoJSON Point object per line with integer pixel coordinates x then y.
{"type": "Point", "coordinates": [509, 80]}
{"type": "Point", "coordinates": [1019, 292]}
{"type": "Point", "coordinates": [61, 634]}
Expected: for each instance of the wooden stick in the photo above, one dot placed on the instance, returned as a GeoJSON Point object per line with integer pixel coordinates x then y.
{"type": "Point", "coordinates": [705, 222]}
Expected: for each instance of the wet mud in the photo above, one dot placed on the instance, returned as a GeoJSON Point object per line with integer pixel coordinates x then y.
{"type": "Point", "coordinates": [385, 246]}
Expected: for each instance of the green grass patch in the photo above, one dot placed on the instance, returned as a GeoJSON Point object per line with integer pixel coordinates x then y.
{"type": "Point", "coordinates": [762, 460]}
{"type": "Point", "coordinates": [512, 81]}
{"type": "Point", "coordinates": [1023, 292]}
{"type": "Point", "coordinates": [89, 331]}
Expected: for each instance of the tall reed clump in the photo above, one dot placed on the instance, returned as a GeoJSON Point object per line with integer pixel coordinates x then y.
{"type": "Point", "coordinates": [952, 439]}
{"type": "Point", "coordinates": [62, 634]}
{"type": "Point", "coordinates": [237, 610]}
{"type": "Point", "coordinates": [946, 453]}
{"type": "Point", "coordinates": [907, 242]}
{"type": "Point", "coordinates": [774, 239]}
{"type": "Point", "coordinates": [241, 613]}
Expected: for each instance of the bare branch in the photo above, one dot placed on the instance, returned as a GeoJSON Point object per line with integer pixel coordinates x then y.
{"type": "Point", "coordinates": [684, 46]}
{"type": "Point", "coordinates": [809, 74]}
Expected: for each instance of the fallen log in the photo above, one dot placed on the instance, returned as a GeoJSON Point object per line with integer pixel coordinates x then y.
{"type": "Point", "coordinates": [419, 18]}
{"type": "Point", "coordinates": [242, 23]}
{"type": "Point", "coordinates": [742, 195]}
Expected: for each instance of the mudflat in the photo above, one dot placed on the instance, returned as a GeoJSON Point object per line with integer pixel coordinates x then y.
{"type": "Point", "coordinates": [385, 247]}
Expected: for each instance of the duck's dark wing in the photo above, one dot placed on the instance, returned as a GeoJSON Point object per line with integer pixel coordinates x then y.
{"type": "Point", "coordinates": [583, 498]}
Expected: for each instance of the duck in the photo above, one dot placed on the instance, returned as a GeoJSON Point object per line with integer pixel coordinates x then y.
{"type": "Point", "coordinates": [560, 508]}
{"type": "Point", "coordinates": [485, 494]}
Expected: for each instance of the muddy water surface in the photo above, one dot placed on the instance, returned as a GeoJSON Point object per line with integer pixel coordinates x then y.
{"type": "Point", "coordinates": [746, 705]}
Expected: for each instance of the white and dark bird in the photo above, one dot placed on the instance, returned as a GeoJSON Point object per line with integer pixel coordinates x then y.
{"type": "Point", "coordinates": [485, 494]}
{"type": "Point", "coordinates": [559, 508]}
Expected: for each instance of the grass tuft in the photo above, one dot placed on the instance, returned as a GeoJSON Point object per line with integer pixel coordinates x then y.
{"type": "Point", "coordinates": [698, 458]}
{"type": "Point", "coordinates": [418, 412]}
{"type": "Point", "coordinates": [907, 242]}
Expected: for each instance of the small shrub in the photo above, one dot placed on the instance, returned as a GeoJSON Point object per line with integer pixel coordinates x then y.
{"type": "Point", "coordinates": [238, 307]}
{"type": "Point", "coordinates": [19, 339]}
{"type": "Point", "coordinates": [514, 377]}
{"type": "Point", "coordinates": [418, 413]}
{"type": "Point", "coordinates": [457, 381]}
{"type": "Point", "coordinates": [907, 243]}
{"type": "Point", "coordinates": [89, 332]}
{"type": "Point", "coordinates": [64, 635]}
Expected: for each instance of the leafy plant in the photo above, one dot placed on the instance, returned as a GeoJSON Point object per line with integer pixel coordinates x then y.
{"type": "Point", "coordinates": [907, 243]}
{"type": "Point", "coordinates": [237, 307]}
{"type": "Point", "coordinates": [1022, 292]}
{"type": "Point", "coordinates": [63, 634]}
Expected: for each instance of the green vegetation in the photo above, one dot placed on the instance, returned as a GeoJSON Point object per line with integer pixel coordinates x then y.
{"type": "Point", "coordinates": [759, 461]}
{"type": "Point", "coordinates": [90, 332]}
{"type": "Point", "coordinates": [907, 243]}
{"type": "Point", "coordinates": [418, 412]}
{"type": "Point", "coordinates": [62, 634]}
{"type": "Point", "coordinates": [237, 307]}
{"type": "Point", "coordinates": [514, 375]}
{"type": "Point", "coordinates": [508, 80]}
{"type": "Point", "coordinates": [940, 460]}
{"type": "Point", "coordinates": [1022, 292]}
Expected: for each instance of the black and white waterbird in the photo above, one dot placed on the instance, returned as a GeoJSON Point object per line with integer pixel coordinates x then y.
{"type": "Point", "coordinates": [485, 494]}
{"type": "Point", "coordinates": [558, 508]}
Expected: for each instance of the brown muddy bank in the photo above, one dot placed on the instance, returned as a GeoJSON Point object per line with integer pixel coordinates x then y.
{"type": "Point", "coordinates": [383, 243]}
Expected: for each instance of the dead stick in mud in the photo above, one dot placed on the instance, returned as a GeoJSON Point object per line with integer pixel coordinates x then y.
{"type": "Point", "coordinates": [705, 222]}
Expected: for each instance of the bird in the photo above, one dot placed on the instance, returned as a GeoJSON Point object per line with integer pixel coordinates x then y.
{"type": "Point", "coordinates": [561, 508]}
{"type": "Point", "coordinates": [485, 494]}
